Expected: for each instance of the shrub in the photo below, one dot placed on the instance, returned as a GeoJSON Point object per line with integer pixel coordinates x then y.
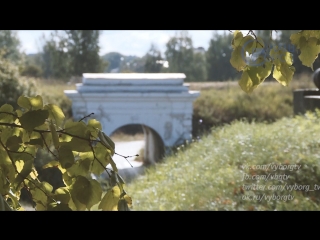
{"type": "Point", "coordinates": [268, 103]}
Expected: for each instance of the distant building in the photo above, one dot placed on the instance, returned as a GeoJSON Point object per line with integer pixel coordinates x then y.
{"type": "Point", "coordinates": [199, 50]}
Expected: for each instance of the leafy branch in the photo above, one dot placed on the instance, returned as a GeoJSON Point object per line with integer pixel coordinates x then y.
{"type": "Point", "coordinates": [275, 60]}
{"type": "Point", "coordinates": [82, 149]}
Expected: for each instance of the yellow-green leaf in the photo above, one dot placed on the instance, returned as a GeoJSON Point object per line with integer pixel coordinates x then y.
{"type": "Point", "coordinates": [55, 113]}
{"type": "Point", "coordinates": [238, 58]}
{"type": "Point", "coordinates": [24, 168]}
{"type": "Point", "coordinates": [4, 184]}
{"type": "Point", "coordinates": [77, 144]}
{"type": "Point", "coordinates": [283, 73]}
{"type": "Point", "coordinates": [237, 38]}
{"type": "Point", "coordinates": [76, 128]}
{"type": "Point", "coordinates": [33, 119]}
{"type": "Point", "coordinates": [36, 142]}
{"type": "Point", "coordinates": [55, 137]}
{"type": "Point", "coordinates": [81, 167]}
{"type": "Point", "coordinates": [36, 102]}
{"type": "Point", "coordinates": [66, 157]}
{"type": "Point", "coordinates": [87, 192]}
{"type": "Point", "coordinates": [24, 102]}
{"type": "Point", "coordinates": [248, 44]}
{"type": "Point", "coordinates": [6, 116]}
{"type": "Point", "coordinates": [62, 194]}
{"type": "Point", "coordinates": [103, 157]}
{"type": "Point", "coordinates": [309, 51]}
{"type": "Point", "coordinates": [252, 77]}
{"type": "Point", "coordinates": [94, 126]}
{"type": "Point", "coordinates": [13, 143]}
{"type": "Point", "coordinates": [110, 200]}
{"type": "Point", "coordinates": [58, 207]}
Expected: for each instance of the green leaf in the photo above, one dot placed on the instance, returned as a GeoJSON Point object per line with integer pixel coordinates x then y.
{"type": "Point", "coordinates": [4, 184]}
{"type": "Point", "coordinates": [238, 58]}
{"type": "Point", "coordinates": [46, 187]}
{"type": "Point", "coordinates": [67, 179]}
{"type": "Point", "coordinates": [39, 194]}
{"type": "Point", "coordinates": [309, 51]}
{"type": "Point", "coordinates": [24, 102]}
{"type": "Point", "coordinates": [113, 165]}
{"type": "Point", "coordinates": [6, 165]}
{"type": "Point", "coordinates": [33, 119]}
{"type": "Point", "coordinates": [248, 44]}
{"type": "Point", "coordinates": [87, 192]}
{"type": "Point", "coordinates": [36, 102]}
{"type": "Point", "coordinates": [237, 38]}
{"type": "Point", "coordinates": [81, 167]}
{"type": "Point", "coordinates": [25, 168]}
{"type": "Point", "coordinates": [311, 34]}
{"type": "Point", "coordinates": [252, 77]}
{"type": "Point", "coordinates": [94, 126]}
{"type": "Point", "coordinates": [55, 113]}
{"type": "Point", "coordinates": [55, 137]}
{"type": "Point", "coordinates": [36, 142]}
{"type": "Point", "coordinates": [295, 39]}
{"type": "Point", "coordinates": [13, 143]}
{"type": "Point", "coordinates": [5, 134]}
{"type": "Point", "coordinates": [4, 117]}
{"type": "Point", "coordinates": [107, 142]}
{"type": "Point", "coordinates": [76, 128]}
{"type": "Point", "coordinates": [58, 207]}
{"type": "Point", "coordinates": [62, 194]}
{"type": "Point", "coordinates": [283, 73]}
{"type": "Point", "coordinates": [103, 157]}
{"type": "Point", "coordinates": [66, 157]}
{"type": "Point", "coordinates": [78, 145]}
{"type": "Point", "coordinates": [89, 155]}
{"type": "Point", "coordinates": [110, 200]}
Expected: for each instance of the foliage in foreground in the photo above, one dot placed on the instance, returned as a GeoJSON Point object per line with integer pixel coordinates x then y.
{"type": "Point", "coordinates": [79, 148]}
{"type": "Point", "coordinates": [257, 60]}
{"type": "Point", "coordinates": [214, 174]}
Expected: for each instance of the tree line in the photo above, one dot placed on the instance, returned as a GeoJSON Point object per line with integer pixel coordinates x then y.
{"type": "Point", "coordinates": [69, 53]}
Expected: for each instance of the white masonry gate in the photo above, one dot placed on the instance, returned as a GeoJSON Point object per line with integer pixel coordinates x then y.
{"type": "Point", "coordinates": [160, 102]}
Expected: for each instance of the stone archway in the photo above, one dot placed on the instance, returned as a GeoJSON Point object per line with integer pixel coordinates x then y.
{"type": "Point", "coordinates": [162, 103]}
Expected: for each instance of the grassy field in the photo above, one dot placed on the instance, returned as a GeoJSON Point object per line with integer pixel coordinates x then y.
{"type": "Point", "coordinates": [214, 174]}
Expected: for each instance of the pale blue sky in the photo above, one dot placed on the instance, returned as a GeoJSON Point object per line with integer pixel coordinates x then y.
{"type": "Point", "coordinates": [127, 42]}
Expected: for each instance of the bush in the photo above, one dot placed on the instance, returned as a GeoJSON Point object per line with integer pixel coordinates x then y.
{"type": "Point", "coordinates": [32, 70]}
{"type": "Point", "coordinates": [10, 89]}
{"type": "Point", "coordinates": [268, 103]}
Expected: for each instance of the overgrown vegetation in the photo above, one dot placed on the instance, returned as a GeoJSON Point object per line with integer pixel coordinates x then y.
{"type": "Point", "coordinates": [225, 103]}
{"type": "Point", "coordinates": [209, 174]}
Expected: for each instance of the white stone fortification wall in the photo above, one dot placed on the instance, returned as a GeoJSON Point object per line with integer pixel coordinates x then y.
{"type": "Point", "coordinates": [162, 103]}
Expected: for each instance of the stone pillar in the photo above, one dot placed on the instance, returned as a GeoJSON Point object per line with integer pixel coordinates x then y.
{"type": "Point", "coordinates": [154, 147]}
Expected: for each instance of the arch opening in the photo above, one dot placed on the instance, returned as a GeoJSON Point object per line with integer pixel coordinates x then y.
{"type": "Point", "coordinates": [132, 139]}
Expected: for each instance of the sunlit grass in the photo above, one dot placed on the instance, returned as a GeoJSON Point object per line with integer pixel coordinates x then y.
{"type": "Point", "coordinates": [208, 175]}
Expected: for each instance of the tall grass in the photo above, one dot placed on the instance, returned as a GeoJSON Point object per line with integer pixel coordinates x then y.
{"type": "Point", "coordinates": [209, 174]}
